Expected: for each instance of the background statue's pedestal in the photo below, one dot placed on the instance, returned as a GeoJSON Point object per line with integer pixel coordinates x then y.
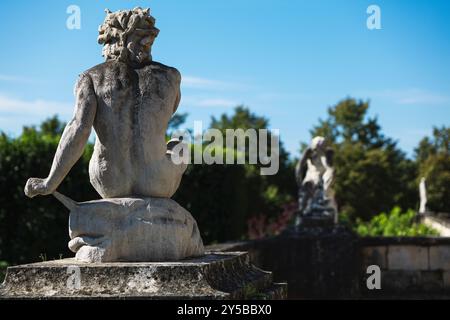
{"type": "Point", "coordinates": [323, 261]}
{"type": "Point", "coordinates": [227, 275]}
{"type": "Point", "coordinates": [311, 222]}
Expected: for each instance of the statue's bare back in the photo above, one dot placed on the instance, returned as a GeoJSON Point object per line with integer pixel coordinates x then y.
{"type": "Point", "coordinates": [133, 109]}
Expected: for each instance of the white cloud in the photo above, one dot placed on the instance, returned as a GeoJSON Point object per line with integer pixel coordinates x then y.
{"type": "Point", "coordinates": [205, 102]}
{"type": "Point", "coordinates": [217, 103]}
{"type": "Point", "coordinates": [192, 82]}
{"type": "Point", "coordinates": [196, 82]}
{"type": "Point", "coordinates": [413, 96]}
{"type": "Point", "coordinates": [16, 79]}
{"type": "Point", "coordinates": [14, 107]}
{"type": "Point", "coordinates": [198, 98]}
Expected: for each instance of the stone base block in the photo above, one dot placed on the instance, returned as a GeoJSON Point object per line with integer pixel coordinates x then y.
{"type": "Point", "coordinates": [133, 230]}
{"type": "Point", "coordinates": [227, 275]}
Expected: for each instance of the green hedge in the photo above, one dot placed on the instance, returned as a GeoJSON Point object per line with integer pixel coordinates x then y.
{"type": "Point", "coordinates": [221, 197]}
{"type": "Point", "coordinates": [395, 223]}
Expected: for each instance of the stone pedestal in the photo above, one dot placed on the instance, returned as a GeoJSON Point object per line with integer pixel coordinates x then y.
{"type": "Point", "coordinates": [227, 275]}
{"type": "Point", "coordinates": [322, 259]}
{"type": "Point", "coordinates": [307, 222]}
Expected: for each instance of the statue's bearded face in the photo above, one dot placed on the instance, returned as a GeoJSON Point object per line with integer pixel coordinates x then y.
{"type": "Point", "coordinates": [139, 48]}
{"type": "Point", "coordinates": [147, 42]}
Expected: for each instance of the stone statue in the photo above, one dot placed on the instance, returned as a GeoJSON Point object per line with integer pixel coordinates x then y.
{"type": "Point", "coordinates": [423, 196]}
{"type": "Point", "coordinates": [128, 100]}
{"type": "Point", "coordinates": [315, 176]}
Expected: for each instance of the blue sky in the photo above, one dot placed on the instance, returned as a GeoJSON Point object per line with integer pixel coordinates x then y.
{"type": "Point", "coordinates": [285, 59]}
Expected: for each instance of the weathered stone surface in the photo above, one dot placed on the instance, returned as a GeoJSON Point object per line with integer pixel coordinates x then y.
{"type": "Point", "coordinates": [431, 281]}
{"type": "Point", "coordinates": [374, 256]}
{"type": "Point", "coordinates": [411, 281]}
{"type": "Point", "coordinates": [407, 258]}
{"type": "Point", "coordinates": [440, 258]}
{"type": "Point", "coordinates": [446, 279]}
{"type": "Point", "coordinates": [133, 229]}
{"type": "Point", "coordinates": [214, 276]}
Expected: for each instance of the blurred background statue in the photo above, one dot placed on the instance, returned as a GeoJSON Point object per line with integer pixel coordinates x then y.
{"type": "Point", "coordinates": [423, 196]}
{"type": "Point", "coordinates": [315, 177]}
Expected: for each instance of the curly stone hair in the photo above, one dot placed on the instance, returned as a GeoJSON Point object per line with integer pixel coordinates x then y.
{"type": "Point", "coordinates": [127, 35]}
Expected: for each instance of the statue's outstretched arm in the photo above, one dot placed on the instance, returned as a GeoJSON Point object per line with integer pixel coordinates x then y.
{"type": "Point", "coordinates": [73, 140]}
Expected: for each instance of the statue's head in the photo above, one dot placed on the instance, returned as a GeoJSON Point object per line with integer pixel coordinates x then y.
{"type": "Point", "coordinates": [127, 35]}
{"type": "Point", "coordinates": [318, 143]}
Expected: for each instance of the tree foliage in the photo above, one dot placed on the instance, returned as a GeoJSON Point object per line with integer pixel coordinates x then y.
{"type": "Point", "coordinates": [176, 121]}
{"type": "Point", "coordinates": [223, 198]}
{"type": "Point", "coordinates": [29, 227]}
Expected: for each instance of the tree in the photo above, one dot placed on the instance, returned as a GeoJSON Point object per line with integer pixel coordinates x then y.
{"type": "Point", "coordinates": [176, 121]}
{"type": "Point", "coordinates": [372, 174]}
{"type": "Point", "coordinates": [223, 198]}
{"type": "Point", "coordinates": [433, 159]}
{"type": "Point", "coordinates": [31, 227]}
{"type": "Point", "coordinates": [279, 187]}
{"type": "Point", "coordinates": [242, 118]}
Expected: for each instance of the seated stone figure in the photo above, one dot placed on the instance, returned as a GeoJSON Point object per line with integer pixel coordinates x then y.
{"type": "Point", "coordinates": [315, 177]}
{"type": "Point", "coordinates": [128, 100]}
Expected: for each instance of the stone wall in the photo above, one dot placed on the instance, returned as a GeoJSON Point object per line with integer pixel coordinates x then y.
{"type": "Point", "coordinates": [322, 263]}
{"type": "Point", "coordinates": [416, 267]}
{"type": "Point", "coordinates": [408, 265]}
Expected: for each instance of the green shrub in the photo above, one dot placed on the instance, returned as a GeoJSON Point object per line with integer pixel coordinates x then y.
{"type": "Point", "coordinates": [3, 266]}
{"type": "Point", "coordinates": [29, 227]}
{"type": "Point", "coordinates": [395, 223]}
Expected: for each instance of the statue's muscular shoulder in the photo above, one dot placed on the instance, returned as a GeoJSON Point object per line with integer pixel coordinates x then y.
{"type": "Point", "coordinates": [107, 72]}
{"type": "Point", "coordinates": [171, 72]}
{"type": "Point", "coordinates": [114, 70]}
{"type": "Point", "coordinates": [165, 73]}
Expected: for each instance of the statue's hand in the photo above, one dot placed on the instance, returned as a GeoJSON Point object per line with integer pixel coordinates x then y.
{"type": "Point", "coordinates": [172, 143]}
{"type": "Point", "coordinates": [37, 186]}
